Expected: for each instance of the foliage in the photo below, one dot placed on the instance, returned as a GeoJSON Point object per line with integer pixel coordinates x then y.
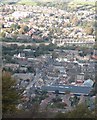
{"type": "Point", "coordinates": [15, 26]}
{"type": "Point", "coordinates": [60, 115]}
{"type": "Point", "coordinates": [95, 46]}
{"type": "Point", "coordinates": [74, 20]}
{"type": "Point", "coordinates": [25, 28]}
{"type": "Point", "coordinates": [54, 55]}
{"type": "Point", "coordinates": [81, 111]}
{"type": "Point", "coordinates": [94, 90]}
{"type": "Point", "coordinates": [2, 34]}
{"type": "Point", "coordinates": [10, 96]}
{"type": "Point", "coordinates": [89, 30]}
{"type": "Point", "coordinates": [57, 105]}
{"type": "Point", "coordinates": [43, 49]}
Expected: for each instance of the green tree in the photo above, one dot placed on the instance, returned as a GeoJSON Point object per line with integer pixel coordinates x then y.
{"type": "Point", "coordinates": [67, 92]}
{"type": "Point", "coordinates": [89, 30]}
{"type": "Point", "coordinates": [10, 96]}
{"type": "Point", "coordinates": [54, 55]}
{"type": "Point", "coordinates": [26, 28]}
{"type": "Point", "coordinates": [57, 71]}
{"type": "Point", "coordinates": [15, 26]}
{"type": "Point", "coordinates": [94, 90]}
{"type": "Point", "coordinates": [60, 115]}
{"type": "Point", "coordinates": [81, 111]}
{"type": "Point", "coordinates": [2, 34]}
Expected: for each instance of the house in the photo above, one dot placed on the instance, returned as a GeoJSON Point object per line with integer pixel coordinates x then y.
{"type": "Point", "coordinates": [11, 66]}
{"type": "Point", "coordinates": [88, 83]}
{"type": "Point", "coordinates": [80, 77]}
{"type": "Point", "coordinates": [23, 37]}
{"type": "Point", "coordinates": [23, 76]}
{"type": "Point", "coordinates": [94, 57]}
{"type": "Point", "coordinates": [9, 36]}
{"type": "Point", "coordinates": [20, 55]}
{"type": "Point", "coordinates": [23, 69]}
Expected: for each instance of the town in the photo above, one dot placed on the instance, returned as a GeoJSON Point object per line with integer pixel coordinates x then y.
{"type": "Point", "coordinates": [50, 53]}
{"type": "Point", "coordinates": [49, 24]}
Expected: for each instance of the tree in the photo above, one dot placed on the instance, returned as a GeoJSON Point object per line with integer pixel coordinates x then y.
{"type": "Point", "coordinates": [81, 111]}
{"type": "Point", "coordinates": [18, 27]}
{"type": "Point", "coordinates": [13, 26]}
{"type": "Point", "coordinates": [67, 92]}
{"type": "Point", "coordinates": [2, 34]}
{"type": "Point", "coordinates": [54, 55]}
{"type": "Point", "coordinates": [56, 92]}
{"type": "Point", "coordinates": [89, 30]}
{"type": "Point", "coordinates": [8, 58]}
{"type": "Point", "coordinates": [10, 96]}
{"type": "Point", "coordinates": [94, 90]}
{"type": "Point", "coordinates": [2, 25]}
{"type": "Point", "coordinates": [23, 28]}
{"type": "Point", "coordinates": [21, 31]}
{"type": "Point", "coordinates": [75, 20]}
{"type": "Point", "coordinates": [57, 71]}
{"type": "Point", "coordinates": [26, 28]}
{"type": "Point", "coordinates": [60, 115]}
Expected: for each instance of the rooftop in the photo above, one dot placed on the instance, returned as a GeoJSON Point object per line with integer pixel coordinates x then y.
{"type": "Point", "coordinates": [63, 88]}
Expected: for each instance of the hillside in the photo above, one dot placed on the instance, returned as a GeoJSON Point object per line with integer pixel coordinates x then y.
{"type": "Point", "coordinates": [32, 2]}
{"type": "Point", "coordinates": [83, 2]}
{"type": "Point", "coordinates": [27, 2]}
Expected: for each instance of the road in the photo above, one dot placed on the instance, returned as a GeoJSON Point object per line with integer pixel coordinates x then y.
{"type": "Point", "coordinates": [37, 77]}
{"type": "Point", "coordinates": [20, 44]}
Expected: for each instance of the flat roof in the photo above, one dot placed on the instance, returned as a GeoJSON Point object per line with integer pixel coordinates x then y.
{"type": "Point", "coordinates": [63, 88]}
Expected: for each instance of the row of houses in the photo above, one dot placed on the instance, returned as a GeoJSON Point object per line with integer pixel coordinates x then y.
{"type": "Point", "coordinates": [59, 26]}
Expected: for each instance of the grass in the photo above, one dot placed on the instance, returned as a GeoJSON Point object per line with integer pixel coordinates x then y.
{"type": "Point", "coordinates": [81, 2]}
{"type": "Point", "coordinates": [27, 2]}
{"type": "Point", "coordinates": [25, 19]}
